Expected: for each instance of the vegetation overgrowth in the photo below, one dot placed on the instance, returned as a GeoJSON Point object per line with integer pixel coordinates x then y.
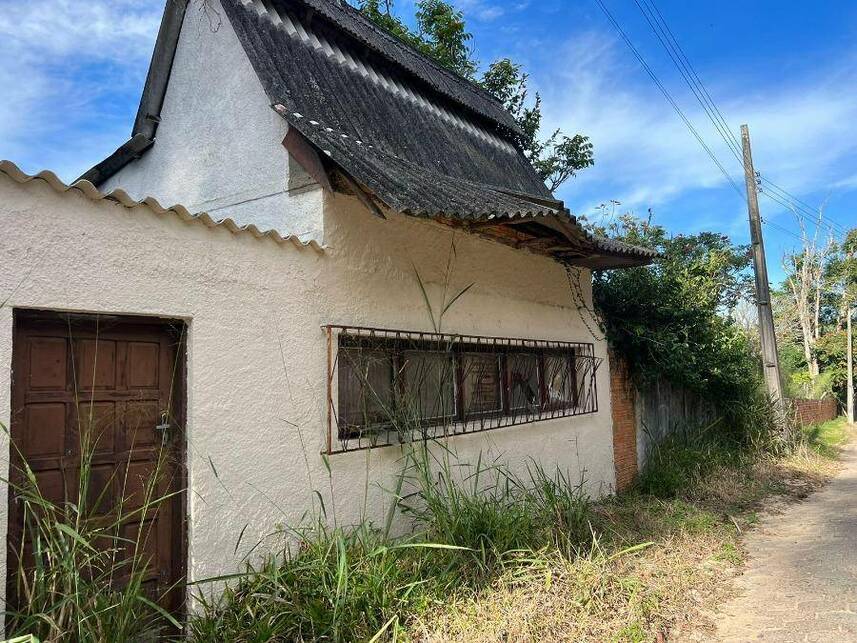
{"type": "Point", "coordinates": [79, 569]}
{"type": "Point", "coordinates": [497, 555]}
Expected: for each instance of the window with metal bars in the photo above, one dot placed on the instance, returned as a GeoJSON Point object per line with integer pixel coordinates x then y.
{"type": "Point", "coordinates": [392, 386]}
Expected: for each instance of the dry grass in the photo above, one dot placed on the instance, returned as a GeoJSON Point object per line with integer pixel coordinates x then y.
{"type": "Point", "coordinates": [658, 569]}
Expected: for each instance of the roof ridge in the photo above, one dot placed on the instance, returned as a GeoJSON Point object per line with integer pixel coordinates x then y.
{"type": "Point", "coordinates": [122, 198]}
{"type": "Point", "coordinates": [296, 29]}
{"type": "Point", "coordinates": [352, 22]}
{"type": "Point", "coordinates": [441, 68]}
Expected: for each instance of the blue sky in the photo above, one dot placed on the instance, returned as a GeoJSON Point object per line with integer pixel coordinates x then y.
{"type": "Point", "coordinates": [72, 73]}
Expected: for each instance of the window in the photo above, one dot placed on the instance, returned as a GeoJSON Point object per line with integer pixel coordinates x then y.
{"type": "Point", "coordinates": [480, 384]}
{"type": "Point", "coordinates": [428, 385]}
{"type": "Point", "coordinates": [392, 384]}
{"type": "Point", "coordinates": [365, 387]}
{"type": "Point", "coordinates": [558, 382]}
{"type": "Point", "coordinates": [523, 377]}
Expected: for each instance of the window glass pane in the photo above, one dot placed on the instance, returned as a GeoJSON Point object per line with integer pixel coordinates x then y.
{"type": "Point", "coordinates": [480, 380]}
{"type": "Point", "coordinates": [523, 381]}
{"type": "Point", "coordinates": [365, 387]}
{"type": "Point", "coordinates": [429, 385]}
{"type": "Point", "coordinates": [558, 386]}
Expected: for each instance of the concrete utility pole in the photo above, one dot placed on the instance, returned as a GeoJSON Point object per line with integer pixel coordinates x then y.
{"type": "Point", "coordinates": [849, 397]}
{"type": "Point", "coordinates": [770, 357]}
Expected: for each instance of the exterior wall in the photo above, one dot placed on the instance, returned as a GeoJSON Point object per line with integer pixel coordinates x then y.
{"type": "Point", "coordinates": [624, 413]}
{"type": "Point", "coordinates": [815, 411]}
{"type": "Point", "coordinates": [218, 147]}
{"type": "Point", "coordinates": [257, 355]}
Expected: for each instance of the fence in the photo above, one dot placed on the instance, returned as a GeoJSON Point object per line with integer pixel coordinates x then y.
{"type": "Point", "coordinates": [642, 417]}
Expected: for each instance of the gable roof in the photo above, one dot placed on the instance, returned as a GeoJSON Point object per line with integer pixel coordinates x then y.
{"type": "Point", "coordinates": [318, 74]}
{"type": "Point", "coordinates": [395, 126]}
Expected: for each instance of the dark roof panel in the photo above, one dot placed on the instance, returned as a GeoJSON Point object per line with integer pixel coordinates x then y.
{"type": "Point", "coordinates": [414, 189]}
{"type": "Point", "coordinates": [318, 75]}
{"type": "Point", "coordinates": [400, 53]}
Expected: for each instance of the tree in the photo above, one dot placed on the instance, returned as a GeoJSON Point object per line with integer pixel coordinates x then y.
{"type": "Point", "coordinates": [442, 34]}
{"type": "Point", "coordinates": [810, 309]}
{"type": "Point", "coordinates": [556, 158]}
{"type": "Point", "coordinates": [805, 271]}
{"type": "Point", "coordinates": [672, 319]}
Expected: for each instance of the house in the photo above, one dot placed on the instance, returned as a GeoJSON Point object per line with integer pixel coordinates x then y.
{"type": "Point", "coordinates": [364, 257]}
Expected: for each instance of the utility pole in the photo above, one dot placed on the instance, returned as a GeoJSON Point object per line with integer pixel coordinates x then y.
{"type": "Point", "coordinates": [770, 358]}
{"type": "Point", "coordinates": [849, 397]}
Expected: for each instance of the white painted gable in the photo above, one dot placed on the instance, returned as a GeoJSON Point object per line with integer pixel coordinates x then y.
{"type": "Point", "coordinates": [219, 143]}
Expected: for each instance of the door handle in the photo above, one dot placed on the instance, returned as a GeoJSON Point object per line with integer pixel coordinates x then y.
{"type": "Point", "coordinates": [164, 427]}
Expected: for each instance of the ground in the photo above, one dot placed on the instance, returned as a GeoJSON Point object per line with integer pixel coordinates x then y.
{"type": "Point", "coordinates": [800, 583]}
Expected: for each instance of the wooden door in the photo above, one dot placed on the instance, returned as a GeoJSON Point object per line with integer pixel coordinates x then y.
{"type": "Point", "coordinates": [117, 385]}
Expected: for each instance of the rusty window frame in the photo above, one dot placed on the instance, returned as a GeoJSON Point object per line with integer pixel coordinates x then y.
{"type": "Point", "coordinates": [581, 365]}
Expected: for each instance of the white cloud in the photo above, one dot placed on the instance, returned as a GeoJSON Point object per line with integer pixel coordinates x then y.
{"type": "Point", "coordinates": [70, 72]}
{"type": "Point", "coordinates": [645, 156]}
{"type": "Point", "coordinates": [47, 30]}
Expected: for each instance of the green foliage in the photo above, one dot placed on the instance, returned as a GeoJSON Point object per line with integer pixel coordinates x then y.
{"type": "Point", "coordinates": [339, 585]}
{"type": "Point", "coordinates": [556, 158]}
{"type": "Point", "coordinates": [353, 583]}
{"type": "Point", "coordinates": [490, 512]}
{"type": "Point", "coordinates": [671, 319]}
{"type": "Point", "coordinates": [441, 34]}
{"type": "Point", "coordinates": [830, 272]}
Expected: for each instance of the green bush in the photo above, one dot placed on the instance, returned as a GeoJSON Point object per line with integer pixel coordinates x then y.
{"type": "Point", "coordinates": [671, 320]}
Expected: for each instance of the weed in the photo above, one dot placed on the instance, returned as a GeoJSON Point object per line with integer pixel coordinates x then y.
{"type": "Point", "coordinates": [78, 572]}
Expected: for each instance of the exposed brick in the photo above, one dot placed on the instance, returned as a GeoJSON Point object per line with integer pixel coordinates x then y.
{"type": "Point", "coordinates": [622, 397]}
{"type": "Point", "coordinates": [814, 411]}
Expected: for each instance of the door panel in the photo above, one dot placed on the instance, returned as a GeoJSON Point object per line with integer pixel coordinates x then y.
{"type": "Point", "coordinates": [102, 385]}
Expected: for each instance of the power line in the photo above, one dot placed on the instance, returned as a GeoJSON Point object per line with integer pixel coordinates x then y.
{"type": "Point", "coordinates": [669, 97]}
{"type": "Point", "coordinates": [669, 42]}
{"type": "Point", "coordinates": [802, 208]}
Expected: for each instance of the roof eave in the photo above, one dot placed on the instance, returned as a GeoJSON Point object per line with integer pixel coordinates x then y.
{"type": "Point", "coordinates": [152, 99]}
{"type": "Point", "coordinates": [129, 151]}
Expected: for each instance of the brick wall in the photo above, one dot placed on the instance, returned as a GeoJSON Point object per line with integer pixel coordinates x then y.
{"type": "Point", "coordinates": [815, 411]}
{"type": "Point", "coordinates": [622, 397]}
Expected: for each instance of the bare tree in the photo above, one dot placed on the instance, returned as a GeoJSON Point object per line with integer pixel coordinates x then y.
{"type": "Point", "coordinates": [805, 272]}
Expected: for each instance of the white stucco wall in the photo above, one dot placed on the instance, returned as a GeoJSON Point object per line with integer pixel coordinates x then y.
{"type": "Point", "coordinates": [218, 148]}
{"type": "Point", "coordinates": [244, 297]}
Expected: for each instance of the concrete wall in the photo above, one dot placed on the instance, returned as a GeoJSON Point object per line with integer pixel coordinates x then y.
{"type": "Point", "coordinates": [218, 148]}
{"type": "Point", "coordinates": [259, 415]}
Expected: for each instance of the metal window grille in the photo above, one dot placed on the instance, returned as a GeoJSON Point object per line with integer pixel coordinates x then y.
{"type": "Point", "coordinates": [387, 387]}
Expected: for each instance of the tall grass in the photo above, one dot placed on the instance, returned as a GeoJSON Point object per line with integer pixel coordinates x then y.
{"type": "Point", "coordinates": [328, 584]}
{"type": "Point", "coordinates": [76, 574]}
{"type": "Point", "coordinates": [472, 522]}
{"type": "Point", "coordinates": [490, 511]}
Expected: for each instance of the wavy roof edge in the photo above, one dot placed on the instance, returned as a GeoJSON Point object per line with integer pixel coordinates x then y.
{"type": "Point", "coordinates": [614, 245]}
{"type": "Point", "coordinates": [122, 198]}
